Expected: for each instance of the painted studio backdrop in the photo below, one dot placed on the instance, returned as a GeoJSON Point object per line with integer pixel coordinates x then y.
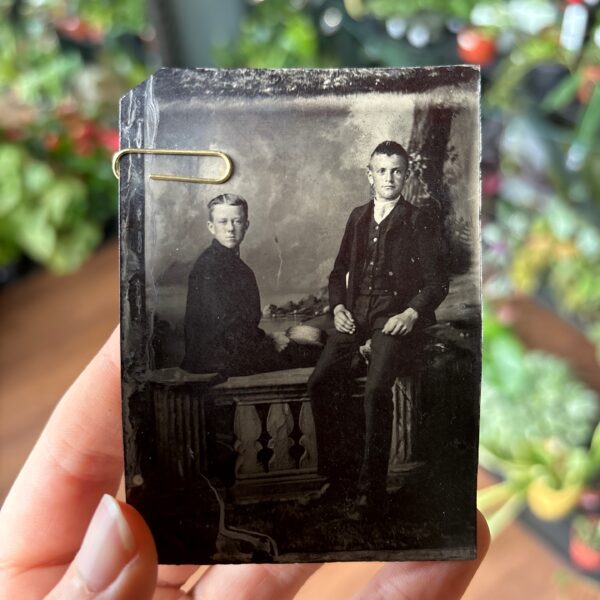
{"type": "Point", "coordinates": [302, 176]}
{"type": "Point", "coordinates": [222, 467]}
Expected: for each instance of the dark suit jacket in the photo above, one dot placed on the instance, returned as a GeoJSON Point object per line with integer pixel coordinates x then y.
{"type": "Point", "coordinates": [412, 248]}
{"type": "Point", "coordinates": [222, 313]}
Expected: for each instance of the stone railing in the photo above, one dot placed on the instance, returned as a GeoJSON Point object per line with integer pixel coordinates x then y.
{"type": "Point", "coordinates": [255, 435]}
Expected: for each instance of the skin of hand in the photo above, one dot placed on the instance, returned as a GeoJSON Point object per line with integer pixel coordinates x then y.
{"type": "Point", "coordinates": [402, 323]}
{"type": "Point", "coordinates": [365, 351]}
{"type": "Point", "coordinates": [64, 536]}
{"type": "Point", "coordinates": [343, 319]}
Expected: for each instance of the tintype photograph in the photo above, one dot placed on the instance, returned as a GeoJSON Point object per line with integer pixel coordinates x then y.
{"type": "Point", "coordinates": [301, 312]}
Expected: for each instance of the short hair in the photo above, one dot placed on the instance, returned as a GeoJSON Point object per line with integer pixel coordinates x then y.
{"type": "Point", "coordinates": [391, 148]}
{"type": "Point", "coordinates": [229, 199]}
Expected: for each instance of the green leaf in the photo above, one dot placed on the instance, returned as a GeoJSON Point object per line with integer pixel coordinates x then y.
{"type": "Point", "coordinates": [559, 96]}
{"type": "Point", "coordinates": [36, 235]}
{"type": "Point", "coordinates": [37, 176]}
{"type": "Point", "coordinates": [64, 201]}
{"type": "Point", "coordinates": [12, 158]}
{"type": "Point", "coordinates": [73, 248]}
{"type": "Point", "coordinates": [589, 124]}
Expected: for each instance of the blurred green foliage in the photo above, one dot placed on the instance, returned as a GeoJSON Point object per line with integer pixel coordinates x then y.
{"type": "Point", "coordinates": [384, 9]}
{"type": "Point", "coordinates": [111, 15]}
{"type": "Point", "coordinates": [275, 35]}
{"type": "Point", "coordinates": [529, 406]}
{"type": "Point", "coordinates": [34, 72]}
{"type": "Point", "coordinates": [42, 214]}
{"type": "Point", "coordinates": [62, 71]}
{"type": "Point", "coordinates": [588, 530]}
{"type": "Point", "coordinates": [554, 252]}
{"type": "Point", "coordinates": [115, 16]}
{"type": "Point", "coordinates": [537, 423]}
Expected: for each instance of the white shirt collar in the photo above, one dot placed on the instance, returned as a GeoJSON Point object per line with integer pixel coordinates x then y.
{"type": "Point", "coordinates": [383, 208]}
{"type": "Point", "coordinates": [391, 203]}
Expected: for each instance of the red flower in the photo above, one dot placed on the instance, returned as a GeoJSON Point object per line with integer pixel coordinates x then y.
{"type": "Point", "coordinates": [79, 31]}
{"type": "Point", "coordinates": [85, 137]}
{"type": "Point", "coordinates": [109, 138]}
{"type": "Point", "coordinates": [490, 184]}
{"type": "Point", "coordinates": [475, 47]}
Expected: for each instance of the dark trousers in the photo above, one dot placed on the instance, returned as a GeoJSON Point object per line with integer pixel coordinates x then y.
{"type": "Point", "coordinates": [340, 431]}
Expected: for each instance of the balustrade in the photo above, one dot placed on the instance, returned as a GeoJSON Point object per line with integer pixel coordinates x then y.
{"type": "Point", "coordinates": [257, 435]}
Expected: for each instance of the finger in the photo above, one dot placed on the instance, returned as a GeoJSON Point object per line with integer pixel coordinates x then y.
{"type": "Point", "coordinates": [346, 321]}
{"type": "Point", "coordinates": [429, 580]}
{"type": "Point", "coordinates": [346, 327]}
{"type": "Point", "coordinates": [397, 328]}
{"type": "Point", "coordinates": [176, 575]}
{"type": "Point", "coordinates": [253, 582]}
{"type": "Point", "coordinates": [117, 559]}
{"type": "Point", "coordinates": [340, 326]}
{"type": "Point", "coordinates": [77, 459]}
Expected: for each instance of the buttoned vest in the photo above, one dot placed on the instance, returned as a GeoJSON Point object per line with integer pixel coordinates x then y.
{"type": "Point", "coordinates": [375, 280]}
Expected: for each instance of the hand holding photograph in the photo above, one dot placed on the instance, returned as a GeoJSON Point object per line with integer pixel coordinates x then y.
{"type": "Point", "coordinates": [301, 312]}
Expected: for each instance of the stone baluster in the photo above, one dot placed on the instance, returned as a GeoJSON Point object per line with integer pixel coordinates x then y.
{"type": "Point", "coordinates": [308, 438]}
{"type": "Point", "coordinates": [280, 424]}
{"type": "Point", "coordinates": [248, 430]}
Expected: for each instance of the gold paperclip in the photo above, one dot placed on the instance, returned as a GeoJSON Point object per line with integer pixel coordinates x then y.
{"type": "Point", "coordinates": [228, 173]}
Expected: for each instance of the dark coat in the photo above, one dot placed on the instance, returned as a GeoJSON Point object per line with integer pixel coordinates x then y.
{"type": "Point", "coordinates": [222, 312]}
{"type": "Point", "coordinates": [412, 248]}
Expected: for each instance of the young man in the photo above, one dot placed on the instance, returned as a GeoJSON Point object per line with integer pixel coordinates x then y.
{"type": "Point", "coordinates": [223, 302]}
{"type": "Point", "coordinates": [385, 285]}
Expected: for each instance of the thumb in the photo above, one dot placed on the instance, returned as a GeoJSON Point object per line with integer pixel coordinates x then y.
{"type": "Point", "coordinates": [117, 558]}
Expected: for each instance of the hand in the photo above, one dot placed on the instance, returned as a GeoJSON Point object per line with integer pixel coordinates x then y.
{"type": "Point", "coordinates": [402, 323]}
{"type": "Point", "coordinates": [343, 319]}
{"type": "Point", "coordinates": [62, 491]}
{"type": "Point", "coordinates": [280, 340]}
{"type": "Point", "coordinates": [365, 351]}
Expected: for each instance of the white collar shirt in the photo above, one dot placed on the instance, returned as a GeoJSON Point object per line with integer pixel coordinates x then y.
{"type": "Point", "coordinates": [383, 208]}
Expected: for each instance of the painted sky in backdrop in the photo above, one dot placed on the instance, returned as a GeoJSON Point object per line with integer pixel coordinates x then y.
{"type": "Point", "coordinates": [300, 163]}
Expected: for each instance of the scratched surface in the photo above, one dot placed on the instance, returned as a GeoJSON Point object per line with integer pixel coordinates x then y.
{"type": "Point", "coordinates": [300, 141]}
{"type": "Point", "coordinates": [300, 144]}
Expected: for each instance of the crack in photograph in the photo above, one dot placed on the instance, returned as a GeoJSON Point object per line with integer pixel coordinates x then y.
{"type": "Point", "coordinates": [301, 344]}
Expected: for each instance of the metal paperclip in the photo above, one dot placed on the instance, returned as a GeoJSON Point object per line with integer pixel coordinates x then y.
{"type": "Point", "coordinates": [228, 162]}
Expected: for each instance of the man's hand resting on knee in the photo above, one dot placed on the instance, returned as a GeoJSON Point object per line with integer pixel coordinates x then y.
{"type": "Point", "coordinates": [402, 323]}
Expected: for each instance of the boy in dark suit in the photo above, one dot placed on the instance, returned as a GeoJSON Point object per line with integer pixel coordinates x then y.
{"type": "Point", "coordinates": [385, 285]}
{"type": "Point", "coordinates": [223, 302]}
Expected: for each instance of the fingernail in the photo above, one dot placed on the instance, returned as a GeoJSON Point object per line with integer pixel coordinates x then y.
{"type": "Point", "coordinates": [107, 547]}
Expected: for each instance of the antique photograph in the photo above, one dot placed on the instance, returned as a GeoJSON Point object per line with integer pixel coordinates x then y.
{"type": "Point", "coordinates": [301, 333]}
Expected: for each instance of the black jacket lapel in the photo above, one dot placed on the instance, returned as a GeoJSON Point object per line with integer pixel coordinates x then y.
{"type": "Point", "coordinates": [361, 233]}
{"type": "Point", "coordinates": [397, 220]}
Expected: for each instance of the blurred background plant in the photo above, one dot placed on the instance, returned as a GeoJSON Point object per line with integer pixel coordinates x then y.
{"type": "Point", "coordinates": [537, 423]}
{"type": "Point", "coordinates": [63, 65]}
